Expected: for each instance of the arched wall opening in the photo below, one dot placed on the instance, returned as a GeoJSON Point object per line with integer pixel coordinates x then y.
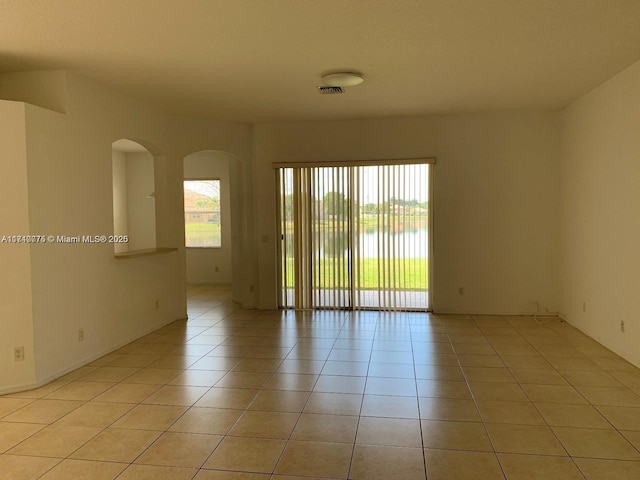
{"type": "Point", "coordinates": [219, 261]}
{"type": "Point", "coordinates": [134, 194]}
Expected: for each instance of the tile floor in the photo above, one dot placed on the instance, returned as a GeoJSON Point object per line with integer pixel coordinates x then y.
{"type": "Point", "coordinates": [256, 395]}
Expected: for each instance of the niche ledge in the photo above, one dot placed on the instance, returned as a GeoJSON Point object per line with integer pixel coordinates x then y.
{"type": "Point", "coordinates": [144, 253]}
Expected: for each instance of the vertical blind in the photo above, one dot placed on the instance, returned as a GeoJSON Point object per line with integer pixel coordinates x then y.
{"type": "Point", "coordinates": [354, 237]}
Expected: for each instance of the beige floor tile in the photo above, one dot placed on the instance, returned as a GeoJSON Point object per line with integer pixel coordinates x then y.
{"type": "Point", "coordinates": [615, 364]}
{"type": "Point", "coordinates": [246, 454]}
{"type": "Point", "coordinates": [438, 372]}
{"type": "Point", "coordinates": [487, 361]}
{"type": "Point", "coordinates": [334, 403]}
{"type": "Point", "coordinates": [176, 395]}
{"type": "Point", "coordinates": [573, 363]}
{"type": "Point", "coordinates": [116, 445]}
{"type": "Point", "coordinates": [443, 389]}
{"type": "Point", "coordinates": [394, 463]}
{"type": "Point", "coordinates": [127, 393]}
{"type": "Point", "coordinates": [134, 360]}
{"type": "Point", "coordinates": [630, 379]}
{"type": "Point", "coordinates": [590, 378]}
{"type": "Point", "coordinates": [487, 374]}
{"type": "Point", "coordinates": [633, 437]}
{"type": "Point", "coordinates": [498, 391]}
{"type": "Point", "coordinates": [403, 387]}
{"type": "Point", "coordinates": [150, 417]}
{"type": "Point", "coordinates": [526, 362]}
{"type": "Point", "coordinates": [326, 428]}
{"type": "Point", "coordinates": [462, 348]}
{"type": "Point", "coordinates": [291, 381]}
{"type": "Point", "coordinates": [516, 413]}
{"type": "Point", "coordinates": [623, 418]}
{"type": "Point", "coordinates": [536, 467]}
{"type": "Point", "coordinates": [223, 475]}
{"type": "Point", "coordinates": [562, 415]}
{"type": "Point", "coordinates": [511, 348]}
{"type": "Point", "coordinates": [431, 358]}
{"type": "Point", "coordinates": [448, 409]}
{"type": "Point", "coordinates": [340, 384]}
{"type": "Point", "coordinates": [359, 369]}
{"type": "Point", "coordinates": [541, 376]}
{"type": "Point", "coordinates": [55, 441]}
{"type": "Point", "coordinates": [176, 362]}
{"type": "Point", "coordinates": [217, 363]}
{"type": "Point", "coordinates": [154, 349]}
{"type": "Point", "coordinates": [198, 378]}
{"type": "Point", "coordinates": [529, 439]}
{"type": "Point", "coordinates": [609, 396]}
{"type": "Point", "coordinates": [295, 477]}
{"type": "Point", "coordinates": [391, 432]}
{"type": "Point", "coordinates": [83, 469]}
{"type": "Point", "coordinates": [450, 464]}
{"type": "Point", "coordinates": [153, 376]}
{"type": "Point", "coordinates": [96, 414]}
{"type": "Point", "coordinates": [110, 374]}
{"type": "Point", "coordinates": [597, 469]}
{"type": "Point", "coordinates": [300, 366]}
{"type": "Point", "coordinates": [265, 424]}
{"type": "Point", "coordinates": [238, 398]}
{"type": "Point", "coordinates": [78, 373]}
{"type": "Point", "coordinates": [257, 365]}
{"type": "Point", "coordinates": [16, 467]}
{"type": "Point", "coordinates": [388, 406]}
{"type": "Point", "coordinates": [175, 449]}
{"type": "Point", "coordinates": [592, 443]}
{"type": "Point", "coordinates": [280, 401]}
{"type": "Point", "coordinates": [215, 421]}
{"type": "Point", "coordinates": [11, 434]}
{"type": "Point", "coordinates": [244, 379]}
{"type": "Point", "coordinates": [554, 394]}
{"type": "Point", "coordinates": [79, 390]}
{"type": "Point", "coordinates": [315, 459]}
{"type": "Point", "coordinates": [43, 411]}
{"type": "Point", "coordinates": [10, 405]}
{"type": "Point", "coordinates": [455, 436]}
{"type": "Point", "coordinates": [149, 472]}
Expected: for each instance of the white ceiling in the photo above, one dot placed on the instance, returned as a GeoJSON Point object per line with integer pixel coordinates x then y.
{"type": "Point", "coordinates": [261, 60]}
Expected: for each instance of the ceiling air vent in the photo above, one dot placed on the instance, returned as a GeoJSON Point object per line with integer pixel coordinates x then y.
{"type": "Point", "coordinates": [330, 90]}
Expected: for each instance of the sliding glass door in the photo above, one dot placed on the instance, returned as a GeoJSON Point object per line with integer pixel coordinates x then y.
{"type": "Point", "coordinates": [354, 237]}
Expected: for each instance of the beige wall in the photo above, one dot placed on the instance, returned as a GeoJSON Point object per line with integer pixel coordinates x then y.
{"type": "Point", "coordinates": [141, 206]}
{"type": "Point", "coordinates": [495, 199]}
{"type": "Point", "coordinates": [119, 179]}
{"type": "Point", "coordinates": [70, 192]}
{"type": "Point", "coordinates": [16, 320]}
{"type": "Point", "coordinates": [601, 213]}
{"type": "Point", "coordinates": [212, 265]}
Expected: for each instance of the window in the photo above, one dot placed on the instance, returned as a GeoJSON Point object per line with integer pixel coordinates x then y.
{"type": "Point", "coordinates": [202, 213]}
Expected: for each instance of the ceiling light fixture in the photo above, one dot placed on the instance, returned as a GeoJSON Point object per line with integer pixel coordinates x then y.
{"type": "Point", "coordinates": [342, 79]}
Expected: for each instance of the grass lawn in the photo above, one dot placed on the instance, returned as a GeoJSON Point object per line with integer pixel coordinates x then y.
{"type": "Point", "coordinates": [409, 274]}
{"type": "Point", "coordinates": [202, 234]}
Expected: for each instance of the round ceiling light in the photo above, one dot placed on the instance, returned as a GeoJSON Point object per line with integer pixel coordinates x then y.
{"type": "Point", "coordinates": [342, 79]}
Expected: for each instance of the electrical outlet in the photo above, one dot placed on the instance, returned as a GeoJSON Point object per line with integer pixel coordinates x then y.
{"type": "Point", "coordinates": [80, 335]}
{"type": "Point", "coordinates": [157, 304]}
{"type": "Point", "coordinates": [584, 306]}
{"type": "Point", "coordinates": [622, 326]}
{"type": "Point", "coordinates": [18, 354]}
{"type": "Point", "coordinates": [217, 269]}
{"type": "Point", "coordinates": [460, 290]}
{"type": "Point", "coordinates": [251, 288]}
